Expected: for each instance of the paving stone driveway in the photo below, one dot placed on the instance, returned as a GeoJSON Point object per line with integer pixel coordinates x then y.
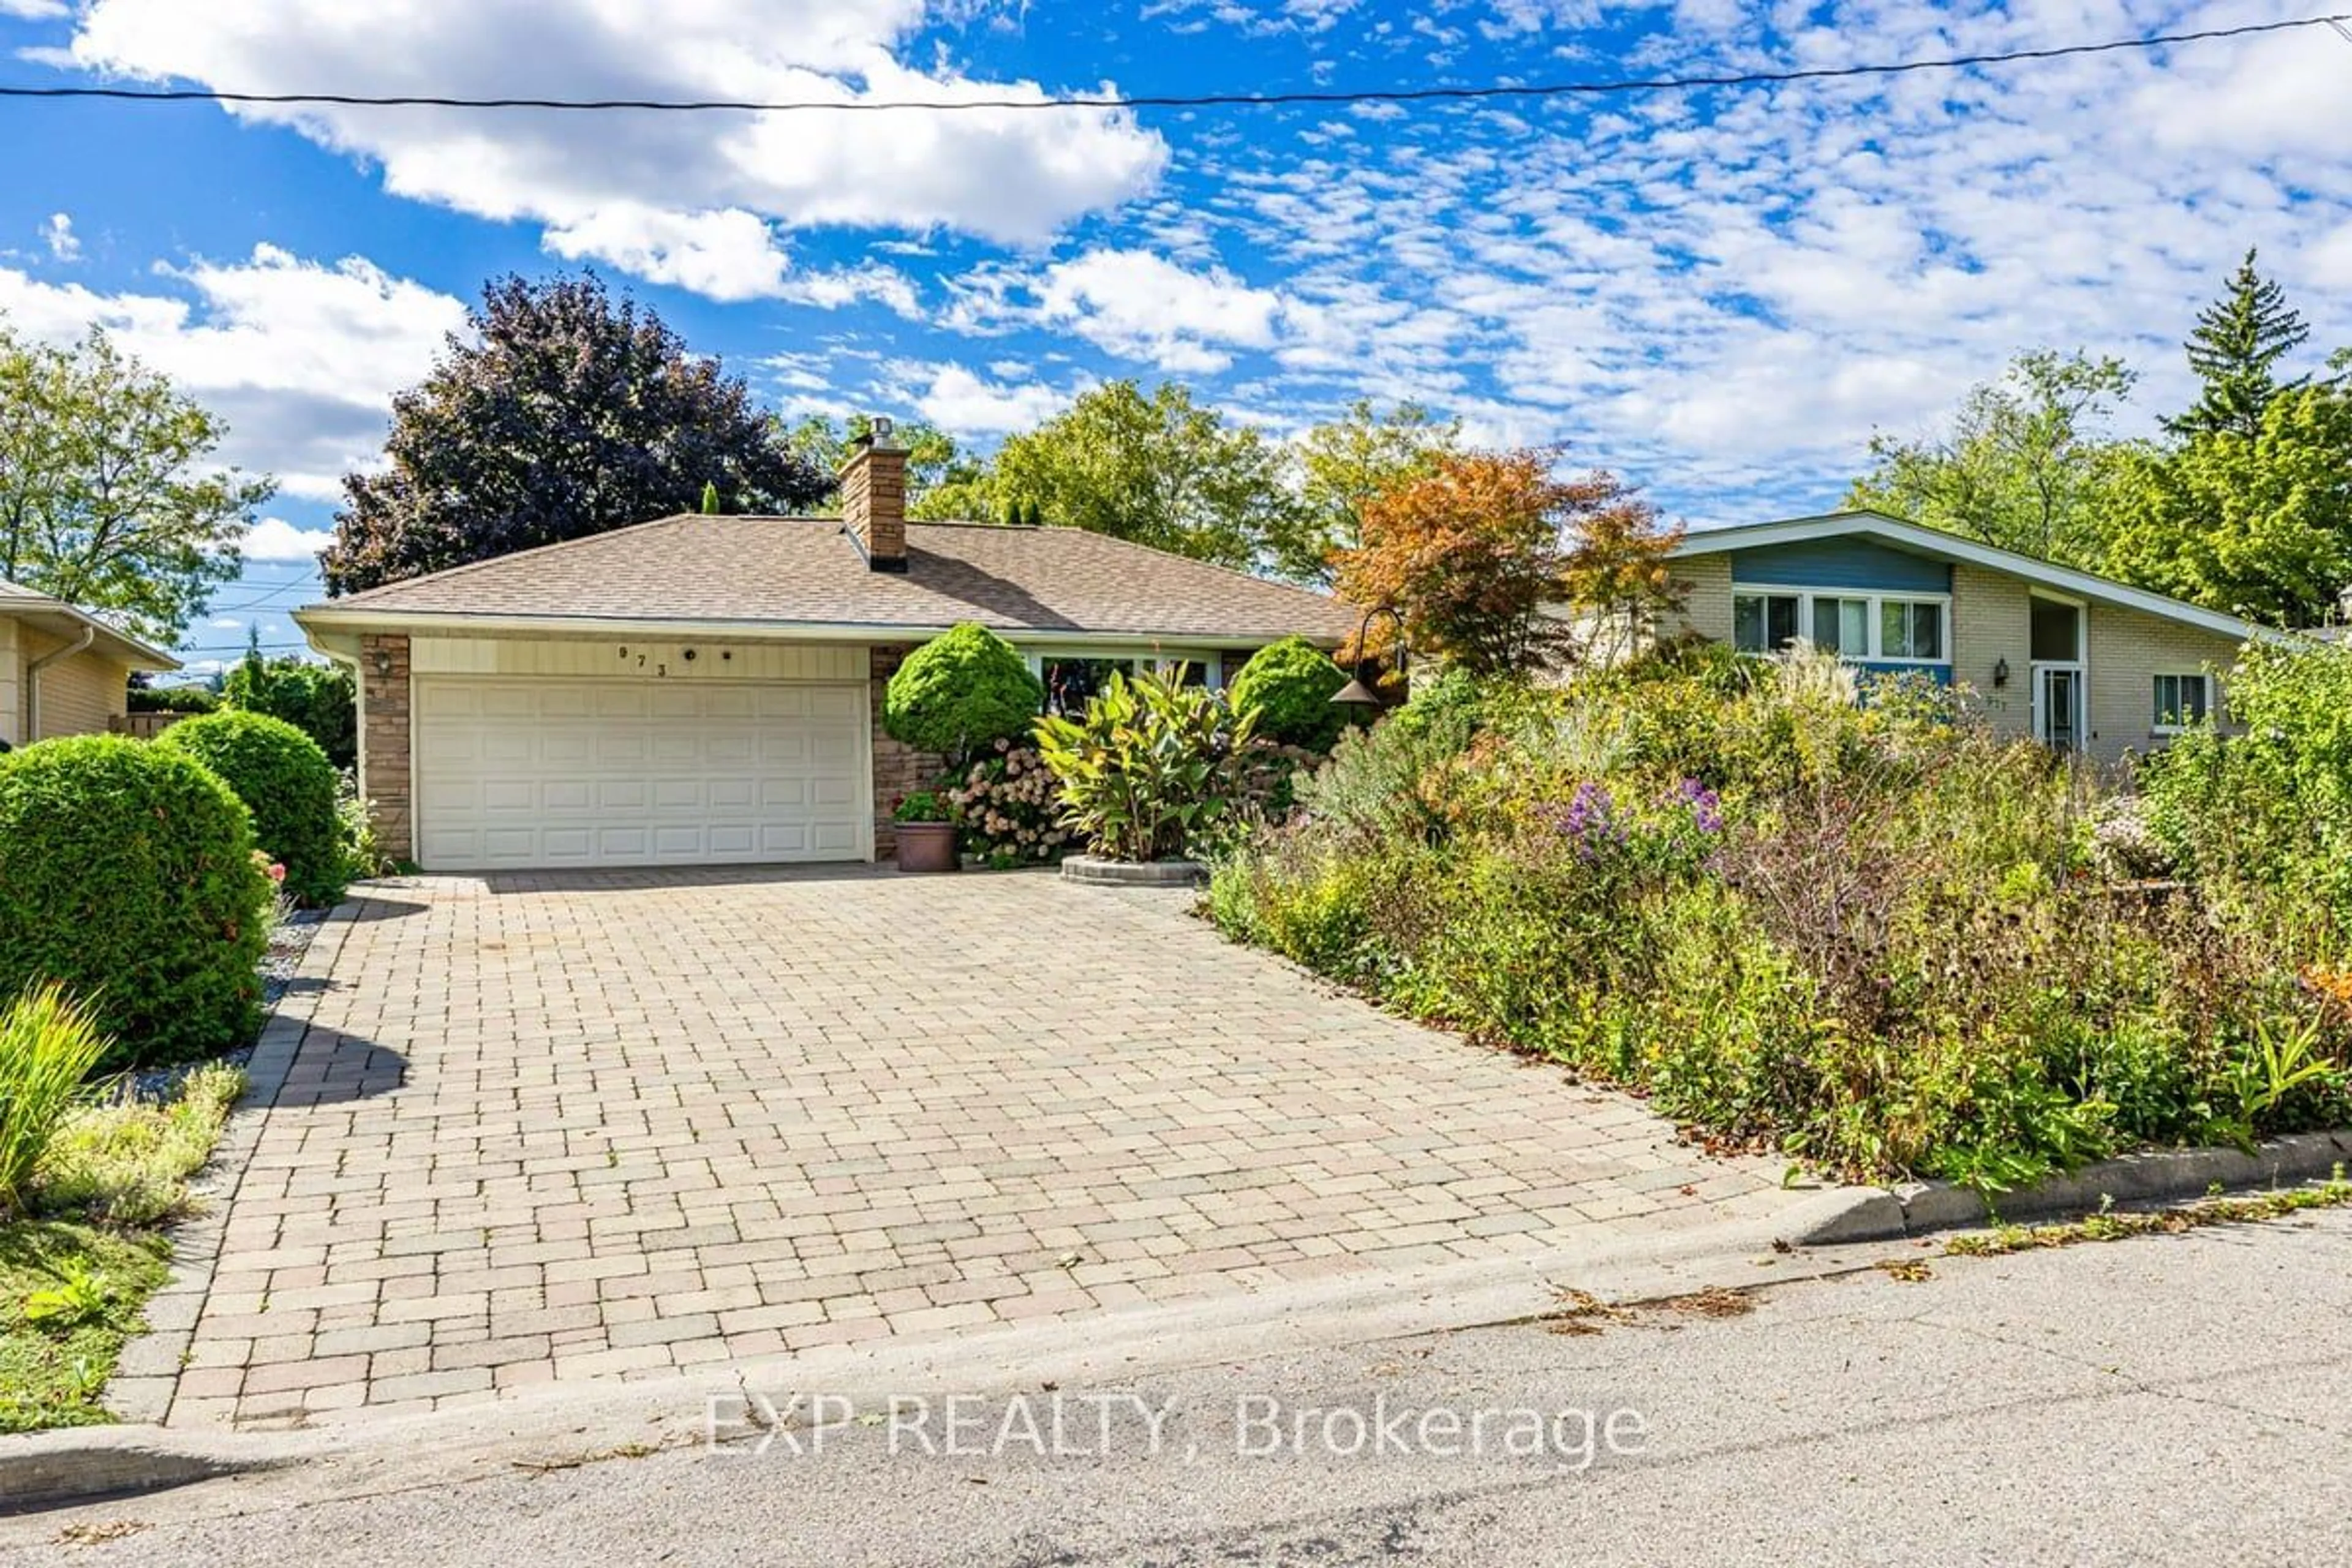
{"type": "Point", "coordinates": [560, 1127]}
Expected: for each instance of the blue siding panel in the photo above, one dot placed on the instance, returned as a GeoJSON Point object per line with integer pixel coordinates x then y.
{"type": "Point", "coordinates": [1860, 563]}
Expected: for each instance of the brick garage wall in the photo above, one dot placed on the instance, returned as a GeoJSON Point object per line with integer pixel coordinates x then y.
{"type": "Point", "coordinates": [385, 703]}
{"type": "Point", "coordinates": [899, 769]}
{"type": "Point", "coordinates": [2128, 651]}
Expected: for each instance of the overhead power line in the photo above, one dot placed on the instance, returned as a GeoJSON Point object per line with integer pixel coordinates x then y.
{"type": "Point", "coordinates": [1597, 89]}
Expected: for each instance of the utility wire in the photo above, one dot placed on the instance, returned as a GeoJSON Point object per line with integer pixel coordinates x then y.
{"type": "Point", "coordinates": [302, 585]}
{"type": "Point", "coordinates": [1197, 101]}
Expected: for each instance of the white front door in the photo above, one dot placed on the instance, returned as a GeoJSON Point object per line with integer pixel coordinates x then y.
{"type": "Point", "coordinates": [2058, 706]}
{"type": "Point", "coordinates": [520, 773]}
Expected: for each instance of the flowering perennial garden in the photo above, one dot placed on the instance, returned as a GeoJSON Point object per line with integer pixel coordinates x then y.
{"type": "Point", "coordinates": [1849, 924]}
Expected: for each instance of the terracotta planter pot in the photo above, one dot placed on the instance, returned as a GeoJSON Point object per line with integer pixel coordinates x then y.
{"type": "Point", "coordinates": [928, 847]}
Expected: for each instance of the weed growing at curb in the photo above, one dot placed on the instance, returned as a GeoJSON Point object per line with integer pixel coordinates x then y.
{"type": "Point", "coordinates": [2111, 1226]}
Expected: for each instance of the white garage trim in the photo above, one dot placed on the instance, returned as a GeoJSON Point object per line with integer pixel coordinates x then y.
{"type": "Point", "coordinates": [553, 771]}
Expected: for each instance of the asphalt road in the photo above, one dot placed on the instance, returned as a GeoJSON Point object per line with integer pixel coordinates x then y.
{"type": "Point", "coordinates": [2172, 1400]}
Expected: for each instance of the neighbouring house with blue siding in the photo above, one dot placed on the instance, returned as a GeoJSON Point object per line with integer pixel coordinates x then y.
{"type": "Point", "coordinates": [2078, 662]}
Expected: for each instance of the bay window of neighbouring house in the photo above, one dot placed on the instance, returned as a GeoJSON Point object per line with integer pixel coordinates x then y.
{"type": "Point", "coordinates": [1878, 626]}
{"type": "Point", "coordinates": [2182, 700]}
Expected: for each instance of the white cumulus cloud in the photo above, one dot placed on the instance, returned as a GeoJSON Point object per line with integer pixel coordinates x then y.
{"type": "Point", "coordinates": [1142, 306]}
{"type": "Point", "coordinates": [678, 198]}
{"type": "Point", "coordinates": [300, 359]}
{"type": "Point", "coordinates": [963, 403]}
{"type": "Point", "coordinates": [58, 234]}
{"type": "Point", "coordinates": [277, 539]}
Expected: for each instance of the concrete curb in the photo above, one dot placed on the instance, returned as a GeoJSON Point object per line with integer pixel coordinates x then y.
{"type": "Point", "coordinates": [78, 1464]}
{"type": "Point", "coordinates": [562, 1423]}
{"type": "Point", "coordinates": [2157, 1175]}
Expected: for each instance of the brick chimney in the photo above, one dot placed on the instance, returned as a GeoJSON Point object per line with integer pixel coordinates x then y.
{"type": "Point", "coordinates": [874, 499]}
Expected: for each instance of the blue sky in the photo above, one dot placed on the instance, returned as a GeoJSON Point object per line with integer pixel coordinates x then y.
{"type": "Point", "coordinates": [1718, 294]}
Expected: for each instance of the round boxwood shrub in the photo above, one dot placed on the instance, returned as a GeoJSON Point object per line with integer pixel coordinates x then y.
{"type": "Point", "coordinates": [127, 876]}
{"type": "Point", "coordinates": [1290, 684]}
{"type": "Point", "coordinates": [965, 689]}
{"type": "Point", "coordinates": [286, 781]}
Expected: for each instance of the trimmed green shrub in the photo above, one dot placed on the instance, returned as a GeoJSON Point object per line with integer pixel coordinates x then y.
{"type": "Point", "coordinates": [172, 700]}
{"type": "Point", "coordinates": [963, 690]}
{"type": "Point", "coordinates": [127, 876]}
{"type": "Point", "coordinates": [1289, 685]}
{"type": "Point", "coordinates": [286, 781]}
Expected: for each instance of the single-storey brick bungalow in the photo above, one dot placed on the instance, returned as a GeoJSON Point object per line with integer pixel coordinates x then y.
{"type": "Point", "coordinates": [63, 671]}
{"type": "Point", "coordinates": [2079, 662]}
{"type": "Point", "coordinates": [708, 689]}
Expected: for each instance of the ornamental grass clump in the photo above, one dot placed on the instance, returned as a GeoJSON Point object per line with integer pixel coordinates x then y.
{"type": "Point", "coordinates": [49, 1045]}
{"type": "Point", "coordinates": [1801, 913]}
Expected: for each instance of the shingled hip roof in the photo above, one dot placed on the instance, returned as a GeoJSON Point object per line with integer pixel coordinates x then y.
{"type": "Point", "coordinates": [751, 572]}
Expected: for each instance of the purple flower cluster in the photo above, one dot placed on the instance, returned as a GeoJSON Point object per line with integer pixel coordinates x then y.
{"type": "Point", "coordinates": [1706, 806]}
{"type": "Point", "coordinates": [1590, 819]}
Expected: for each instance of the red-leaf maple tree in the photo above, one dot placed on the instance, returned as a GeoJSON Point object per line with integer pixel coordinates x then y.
{"type": "Point", "coordinates": [1501, 568]}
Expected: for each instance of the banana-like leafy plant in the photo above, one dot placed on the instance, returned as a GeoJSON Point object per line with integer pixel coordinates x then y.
{"type": "Point", "coordinates": [1149, 766]}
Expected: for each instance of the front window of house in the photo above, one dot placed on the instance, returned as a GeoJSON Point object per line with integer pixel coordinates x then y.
{"type": "Point", "coordinates": [2182, 700]}
{"type": "Point", "coordinates": [1761, 623]}
{"type": "Point", "coordinates": [1841, 626]}
{"type": "Point", "coordinates": [1072, 679]}
{"type": "Point", "coordinates": [1852, 625]}
{"type": "Point", "coordinates": [1910, 629]}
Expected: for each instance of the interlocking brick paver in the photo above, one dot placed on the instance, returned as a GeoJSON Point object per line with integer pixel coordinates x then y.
{"type": "Point", "coordinates": [547, 1128]}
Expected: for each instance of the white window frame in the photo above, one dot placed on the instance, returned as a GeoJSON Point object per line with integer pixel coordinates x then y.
{"type": "Point", "coordinates": [2203, 679]}
{"type": "Point", "coordinates": [1875, 599]}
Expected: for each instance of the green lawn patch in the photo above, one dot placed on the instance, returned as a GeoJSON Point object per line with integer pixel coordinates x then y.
{"type": "Point", "coordinates": [70, 1298]}
{"type": "Point", "coordinates": [75, 1275]}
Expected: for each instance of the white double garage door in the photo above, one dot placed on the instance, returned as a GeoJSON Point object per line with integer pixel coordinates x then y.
{"type": "Point", "coordinates": [551, 773]}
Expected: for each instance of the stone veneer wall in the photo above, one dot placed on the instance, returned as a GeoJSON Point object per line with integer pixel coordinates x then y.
{"type": "Point", "coordinates": [385, 771]}
{"type": "Point", "coordinates": [899, 769]}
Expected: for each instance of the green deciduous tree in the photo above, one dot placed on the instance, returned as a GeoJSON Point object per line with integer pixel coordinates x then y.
{"type": "Point", "coordinates": [1342, 464]}
{"type": "Point", "coordinates": [316, 697]}
{"type": "Point", "coordinates": [2026, 464]}
{"type": "Point", "coordinates": [109, 496]}
{"type": "Point", "coordinates": [572, 414]}
{"type": "Point", "coordinates": [1159, 469]}
{"type": "Point", "coordinates": [2235, 349]}
{"type": "Point", "coordinates": [2260, 527]}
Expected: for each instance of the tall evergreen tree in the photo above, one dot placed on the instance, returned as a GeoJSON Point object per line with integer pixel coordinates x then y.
{"type": "Point", "coordinates": [2237, 344]}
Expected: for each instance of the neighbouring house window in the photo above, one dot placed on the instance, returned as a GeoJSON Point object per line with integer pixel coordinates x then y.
{"type": "Point", "coordinates": [2182, 700]}
{"type": "Point", "coordinates": [1858, 626]}
{"type": "Point", "coordinates": [1760, 623]}
{"type": "Point", "coordinates": [1842, 625]}
{"type": "Point", "coordinates": [1910, 629]}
